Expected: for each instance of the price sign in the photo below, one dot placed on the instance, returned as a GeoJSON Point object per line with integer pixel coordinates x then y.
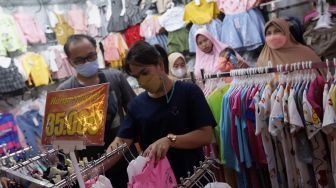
{"type": "Point", "coordinates": [76, 114]}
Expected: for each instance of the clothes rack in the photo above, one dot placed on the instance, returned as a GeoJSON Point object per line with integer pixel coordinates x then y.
{"type": "Point", "coordinates": [72, 178]}
{"type": "Point", "coordinates": [266, 70]}
{"type": "Point", "coordinates": [16, 153]}
{"type": "Point", "coordinates": [36, 158]}
{"type": "Point", "coordinates": [199, 173]}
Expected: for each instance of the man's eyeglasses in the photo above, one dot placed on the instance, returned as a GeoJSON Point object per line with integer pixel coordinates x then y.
{"type": "Point", "coordinates": [83, 60]}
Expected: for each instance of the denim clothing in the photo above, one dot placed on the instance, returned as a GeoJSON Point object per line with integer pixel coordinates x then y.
{"type": "Point", "coordinates": [31, 130]}
{"type": "Point", "coordinates": [243, 31]}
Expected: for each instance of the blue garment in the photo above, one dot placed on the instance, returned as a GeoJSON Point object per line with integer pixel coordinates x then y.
{"type": "Point", "coordinates": [243, 31]}
{"type": "Point", "coordinates": [150, 119]}
{"type": "Point", "coordinates": [30, 130]}
{"type": "Point", "coordinates": [225, 129]}
{"type": "Point", "coordinates": [242, 130]}
{"type": "Point", "coordinates": [161, 39]}
{"type": "Point", "coordinates": [214, 27]}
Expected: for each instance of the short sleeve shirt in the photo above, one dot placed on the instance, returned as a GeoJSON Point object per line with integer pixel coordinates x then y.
{"type": "Point", "coordinates": [150, 119]}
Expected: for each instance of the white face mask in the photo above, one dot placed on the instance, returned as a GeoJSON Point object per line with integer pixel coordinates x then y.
{"type": "Point", "coordinates": [180, 72]}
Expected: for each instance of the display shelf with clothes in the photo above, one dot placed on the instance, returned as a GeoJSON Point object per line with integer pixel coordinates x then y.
{"type": "Point", "coordinates": [9, 159]}
{"type": "Point", "coordinates": [115, 49]}
{"type": "Point", "coordinates": [271, 121]}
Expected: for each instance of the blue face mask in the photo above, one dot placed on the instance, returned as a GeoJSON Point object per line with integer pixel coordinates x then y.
{"type": "Point", "coordinates": [87, 69]}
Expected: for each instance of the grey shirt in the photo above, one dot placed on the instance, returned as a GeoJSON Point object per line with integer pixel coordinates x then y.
{"type": "Point", "coordinates": [119, 88]}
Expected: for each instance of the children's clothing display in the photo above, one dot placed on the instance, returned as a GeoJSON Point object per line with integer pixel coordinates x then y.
{"type": "Point", "coordinates": [60, 26]}
{"type": "Point", "coordinates": [172, 24]}
{"type": "Point", "coordinates": [178, 41]}
{"type": "Point", "coordinates": [31, 30]}
{"type": "Point", "coordinates": [9, 35]}
{"type": "Point", "coordinates": [78, 21]}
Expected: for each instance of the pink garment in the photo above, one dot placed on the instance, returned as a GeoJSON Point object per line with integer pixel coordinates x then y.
{"type": "Point", "coordinates": [90, 182]}
{"type": "Point", "coordinates": [77, 20]}
{"type": "Point", "coordinates": [230, 7]}
{"type": "Point", "coordinates": [313, 13]}
{"type": "Point", "coordinates": [65, 70]}
{"type": "Point", "coordinates": [29, 28]}
{"type": "Point", "coordinates": [150, 27]}
{"type": "Point", "coordinates": [209, 61]}
{"type": "Point", "coordinates": [159, 176]}
{"type": "Point", "coordinates": [111, 48]}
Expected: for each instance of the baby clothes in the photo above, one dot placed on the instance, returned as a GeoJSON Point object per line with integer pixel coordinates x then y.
{"type": "Point", "coordinates": [77, 20]}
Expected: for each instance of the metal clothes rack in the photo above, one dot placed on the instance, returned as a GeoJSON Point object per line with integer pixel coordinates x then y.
{"type": "Point", "coordinates": [16, 153]}
{"type": "Point", "coordinates": [72, 178]}
{"type": "Point", "coordinates": [27, 181]}
{"type": "Point", "coordinates": [199, 173]}
{"type": "Point", "coordinates": [34, 159]}
{"type": "Point", "coordinates": [266, 70]}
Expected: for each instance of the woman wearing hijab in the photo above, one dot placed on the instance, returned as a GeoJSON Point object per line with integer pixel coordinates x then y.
{"type": "Point", "coordinates": [208, 51]}
{"type": "Point", "coordinates": [281, 47]}
{"type": "Point", "coordinates": [177, 66]}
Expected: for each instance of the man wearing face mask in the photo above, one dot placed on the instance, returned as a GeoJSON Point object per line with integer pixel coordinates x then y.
{"type": "Point", "coordinates": [82, 55]}
{"type": "Point", "coordinates": [177, 66]}
{"type": "Point", "coordinates": [170, 119]}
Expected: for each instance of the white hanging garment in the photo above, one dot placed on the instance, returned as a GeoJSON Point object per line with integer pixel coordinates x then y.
{"type": "Point", "coordinates": [102, 182]}
{"type": "Point", "coordinates": [217, 185]}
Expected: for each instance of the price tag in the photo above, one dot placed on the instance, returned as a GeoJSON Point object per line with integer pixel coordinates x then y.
{"type": "Point", "coordinates": [76, 114]}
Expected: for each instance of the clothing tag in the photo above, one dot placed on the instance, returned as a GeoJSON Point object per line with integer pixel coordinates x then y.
{"type": "Point", "coordinates": [309, 40]}
{"type": "Point", "coordinates": [237, 23]}
{"type": "Point", "coordinates": [35, 122]}
{"type": "Point", "coordinates": [30, 62]}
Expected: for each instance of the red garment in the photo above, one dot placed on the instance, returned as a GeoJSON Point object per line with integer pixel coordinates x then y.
{"type": "Point", "coordinates": [132, 34]}
{"type": "Point", "coordinates": [315, 95]}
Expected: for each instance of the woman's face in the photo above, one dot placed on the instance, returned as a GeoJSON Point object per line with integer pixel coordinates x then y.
{"type": "Point", "coordinates": [179, 63]}
{"type": "Point", "coordinates": [179, 68]}
{"type": "Point", "coordinates": [275, 38]}
{"type": "Point", "coordinates": [204, 43]}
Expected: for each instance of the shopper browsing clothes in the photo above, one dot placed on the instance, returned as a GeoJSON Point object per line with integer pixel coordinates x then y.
{"type": "Point", "coordinates": [82, 55]}
{"type": "Point", "coordinates": [171, 118]}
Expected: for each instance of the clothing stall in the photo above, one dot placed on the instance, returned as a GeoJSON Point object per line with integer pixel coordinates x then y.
{"type": "Point", "coordinates": [275, 125]}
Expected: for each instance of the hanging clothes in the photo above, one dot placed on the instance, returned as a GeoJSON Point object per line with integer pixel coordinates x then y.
{"type": "Point", "coordinates": [8, 133]}
{"type": "Point", "coordinates": [10, 78]}
{"type": "Point", "coordinates": [132, 34]}
{"type": "Point", "coordinates": [62, 29]}
{"type": "Point", "coordinates": [178, 41]}
{"type": "Point", "coordinates": [37, 69]}
{"type": "Point", "coordinates": [114, 49]}
{"type": "Point", "coordinates": [200, 14]}
{"type": "Point", "coordinates": [10, 40]}
{"type": "Point", "coordinates": [31, 30]}
{"type": "Point", "coordinates": [77, 20]}
{"type": "Point", "coordinates": [150, 27]}
{"type": "Point", "coordinates": [170, 24]}
{"type": "Point", "coordinates": [243, 31]}
{"type": "Point", "coordinates": [94, 19]}
{"type": "Point", "coordinates": [161, 39]}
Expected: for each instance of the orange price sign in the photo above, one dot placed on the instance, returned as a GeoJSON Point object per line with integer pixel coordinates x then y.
{"type": "Point", "coordinates": [76, 114]}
